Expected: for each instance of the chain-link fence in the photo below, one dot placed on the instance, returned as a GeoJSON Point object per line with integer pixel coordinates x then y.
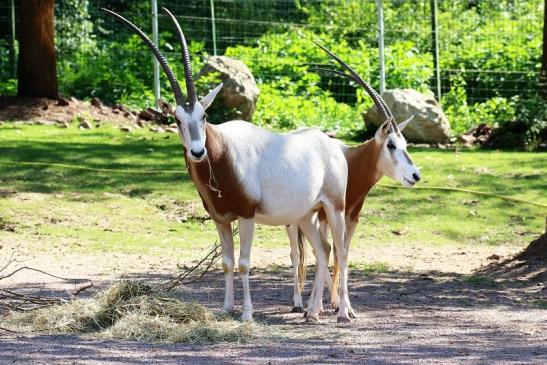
{"type": "Point", "coordinates": [488, 47]}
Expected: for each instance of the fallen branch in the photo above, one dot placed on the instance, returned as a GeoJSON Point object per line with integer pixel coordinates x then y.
{"type": "Point", "coordinates": [13, 301]}
{"type": "Point", "coordinates": [21, 302]}
{"type": "Point", "coordinates": [82, 288]}
{"type": "Point", "coordinates": [10, 261]}
{"type": "Point", "coordinates": [37, 270]}
{"type": "Point", "coordinates": [209, 260]}
{"type": "Point", "coordinates": [7, 330]}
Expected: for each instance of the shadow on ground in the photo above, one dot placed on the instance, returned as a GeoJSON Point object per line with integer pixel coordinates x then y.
{"type": "Point", "coordinates": [434, 317]}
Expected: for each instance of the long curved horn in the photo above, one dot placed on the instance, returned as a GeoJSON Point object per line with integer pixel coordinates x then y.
{"type": "Point", "coordinates": [378, 101]}
{"type": "Point", "coordinates": [179, 97]}
{"type": "Point", "coordinates": [381, 106]}
{"type": "Point", "coordinates": [190, 87]}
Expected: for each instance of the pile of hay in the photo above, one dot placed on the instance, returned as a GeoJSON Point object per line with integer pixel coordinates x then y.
{"type": "Point", "coordinates": [139, 311]}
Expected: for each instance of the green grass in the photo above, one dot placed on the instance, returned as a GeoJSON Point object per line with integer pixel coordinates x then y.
{"type": "Point", "coordinates": [89, 208]}
{"type": "Point", "coordinates": [480, 281]}
{"type": "Point", "coordinates": [540, 303]}
{"type": "Point", "coordinates": [369, 268]}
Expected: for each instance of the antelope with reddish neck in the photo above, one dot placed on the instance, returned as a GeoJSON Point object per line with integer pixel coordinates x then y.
{"type": "Point", "coordinates": [246, 173]}
{"type": "Point", "coordinates": [385, 154]}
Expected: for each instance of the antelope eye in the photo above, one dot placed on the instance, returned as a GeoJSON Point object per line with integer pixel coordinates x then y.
{"type": "Point", "coordinates": [391, 146]}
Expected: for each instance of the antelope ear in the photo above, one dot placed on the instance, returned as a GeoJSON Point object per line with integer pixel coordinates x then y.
{"type": "Point", "coordinates": [402, 125]}
{"type": "Point", "coordinates": [208, 99]}
{"type": "Point", "coordinates": [384, 129]}
{"type": "Point", "coordinates": [165, 107]}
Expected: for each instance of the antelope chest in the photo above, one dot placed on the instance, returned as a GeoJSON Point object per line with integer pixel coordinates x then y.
{"type": "Point", "coordinates": [277, 179]}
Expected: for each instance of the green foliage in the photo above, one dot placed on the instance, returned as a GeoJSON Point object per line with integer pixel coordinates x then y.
{"type": "Point", "coordinates": [72, 20]}
{"type": "Point", "coordinates": [520, 123]}
{"type": "Point", "coordinates": [462, 116]}
{"type": "Point", "coordinates": [407, 67]}
{"type": "Point", "coordinates": [490, 50]}
{"type": "Point", "coordinates": [283, 110]}
{"type": "Point", "coordinates": [528, 129]}
{"type": "Point", "coordinates": [8, 87]}
{"type": "Point", "coordinates": [294, 94]}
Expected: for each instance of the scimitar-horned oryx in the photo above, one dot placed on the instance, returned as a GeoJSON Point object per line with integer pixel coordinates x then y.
{"type": "Point", "coordinates": [385, 154]}
{"type": "Point", "coordinates": [246, 173]}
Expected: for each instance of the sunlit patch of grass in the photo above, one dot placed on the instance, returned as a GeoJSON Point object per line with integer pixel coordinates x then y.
{"type": "Point", "coordinates": [369, 268]}
{"type": "Point", "coordinates": [480, 281]}
{"type": "Point", "coordinates": [95, 211]}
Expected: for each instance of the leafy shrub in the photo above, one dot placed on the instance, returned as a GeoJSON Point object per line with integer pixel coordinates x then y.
{"type": "Point", "coordinates": [462, 116]}
{"type": "Point", "coordinates": [283, 110]}
{"type": "Point", "coordinates": [8, 87]}
{"type": "Point", "coordinates": [528, 129]}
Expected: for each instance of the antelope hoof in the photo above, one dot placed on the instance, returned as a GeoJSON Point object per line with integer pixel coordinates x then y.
{"type": "Point", "coordinates": [298, 310]}
{"type": "Point", "coordinates": [352, 313]}
{"type": "Point", "coordinates": [247, 316]}
{"type": "Point", "coordinates": [312, 318]}
{"type": "Point", "coordinates": [343, 320]}
{"type": "Point", "coordinates": [227, 309]}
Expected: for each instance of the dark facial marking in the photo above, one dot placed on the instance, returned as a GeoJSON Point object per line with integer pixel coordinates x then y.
{"type": "Point", "coordinates": [193, 128]}
{"type": "Point", "coordinates": [391, 148]}
{"type": "Point", "coordinates": [408, 159]}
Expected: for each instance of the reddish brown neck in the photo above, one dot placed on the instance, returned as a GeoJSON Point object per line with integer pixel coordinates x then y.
{"type": "Point", "coordinates": [222, 193]}
{"type": "Point", "coordinates": [363, 173]}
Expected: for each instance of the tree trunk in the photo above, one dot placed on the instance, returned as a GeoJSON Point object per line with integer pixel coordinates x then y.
{"type": "Point", "coordinates": [36, 71]}
{"type": "Point", "coordinates": [543, 74]}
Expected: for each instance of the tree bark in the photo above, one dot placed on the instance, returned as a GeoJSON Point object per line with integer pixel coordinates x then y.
{"type": "Point", "coordinates": [543, 73]}
{"type": "Point", "coordinates": [36, 71]}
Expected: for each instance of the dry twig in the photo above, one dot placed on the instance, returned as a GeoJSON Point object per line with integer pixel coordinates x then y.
{"type": "Point", "coordinates": [13, 301]}
{"type": "Point", "coordinates": [209, 260]}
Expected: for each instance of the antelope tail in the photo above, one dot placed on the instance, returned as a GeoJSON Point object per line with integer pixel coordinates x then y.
{"type": "Point", "coordinates": [302, 265]}
{"type": "Point", "coordinates": [335, 276]}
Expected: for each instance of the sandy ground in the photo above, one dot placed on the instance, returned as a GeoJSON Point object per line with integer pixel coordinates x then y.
{"type": "Point", "coordinates": [430, 314]}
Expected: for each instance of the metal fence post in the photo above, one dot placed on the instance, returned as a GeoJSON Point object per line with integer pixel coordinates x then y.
{"type": "Point", "coordinates": [543, 72]}
{"type": "Point", "coordinates": [435, 48]}
{"type": "Point", "coordinates": [13, 63]}
{"type": "Point", "coordinates": [213, 27]}
{"type": "Point", "coordinates": [156, 41]}
{"type": "Point", "coordinates": [380, 12]}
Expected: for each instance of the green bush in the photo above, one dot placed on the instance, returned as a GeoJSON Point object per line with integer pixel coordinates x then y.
{"type": "Point", "coordinates": [528, 129]}
{"type": "Point", "coordinates": [284, 110]}
{"type": "Point", "coordinates": [479, 42]}
{"type": "Point", "coordinates": [462, 116]}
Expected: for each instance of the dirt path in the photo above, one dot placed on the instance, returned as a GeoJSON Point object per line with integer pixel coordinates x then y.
{"type": "Point", "coordinates": [430, 317]}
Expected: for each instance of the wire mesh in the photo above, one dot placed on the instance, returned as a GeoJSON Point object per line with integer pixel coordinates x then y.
{"type": "Point", "coordinates": [475, 39]}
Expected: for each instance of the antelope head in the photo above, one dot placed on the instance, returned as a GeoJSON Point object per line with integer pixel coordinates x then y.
{"type": "Point", "coordinates": [189, 113]}
{"type": "Point", "coordinates": [393, 159]}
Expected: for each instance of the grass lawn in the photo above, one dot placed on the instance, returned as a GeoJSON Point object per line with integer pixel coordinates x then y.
{"type": "Point", "coordinates": [107, 191]}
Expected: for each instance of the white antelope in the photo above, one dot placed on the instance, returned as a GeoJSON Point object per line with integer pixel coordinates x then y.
{"type": "Point", "coordinates": [385, 154]}
{"type": "Point", "coordinates": [246, 173]}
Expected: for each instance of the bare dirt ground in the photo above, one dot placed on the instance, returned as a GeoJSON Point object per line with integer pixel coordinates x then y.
{"type": "Point", "coordinates": [438, 315]}
{"type": "Point", "coordinates": [49, 111]}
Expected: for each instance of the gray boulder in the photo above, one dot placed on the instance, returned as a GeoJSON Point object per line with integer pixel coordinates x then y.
{"type": "Point", "coordinates": [429, 125]}
{"type": "Point", "coordinates": [240, 91]}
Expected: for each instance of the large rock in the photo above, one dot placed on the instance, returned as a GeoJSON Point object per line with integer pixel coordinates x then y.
{"type": "Point", "coordinates": [239, 92]}
{"type": "Point", "coordinates": [429, 125]}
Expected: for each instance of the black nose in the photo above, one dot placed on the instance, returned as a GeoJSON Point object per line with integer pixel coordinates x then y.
{"type": "Point", "coordinates": [197, 154]}
{"type": "Point", "coordinates": [416, 177]}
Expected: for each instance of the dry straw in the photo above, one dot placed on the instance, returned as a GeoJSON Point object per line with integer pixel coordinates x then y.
{"type": "Point", "coordinates": [133, 310]}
